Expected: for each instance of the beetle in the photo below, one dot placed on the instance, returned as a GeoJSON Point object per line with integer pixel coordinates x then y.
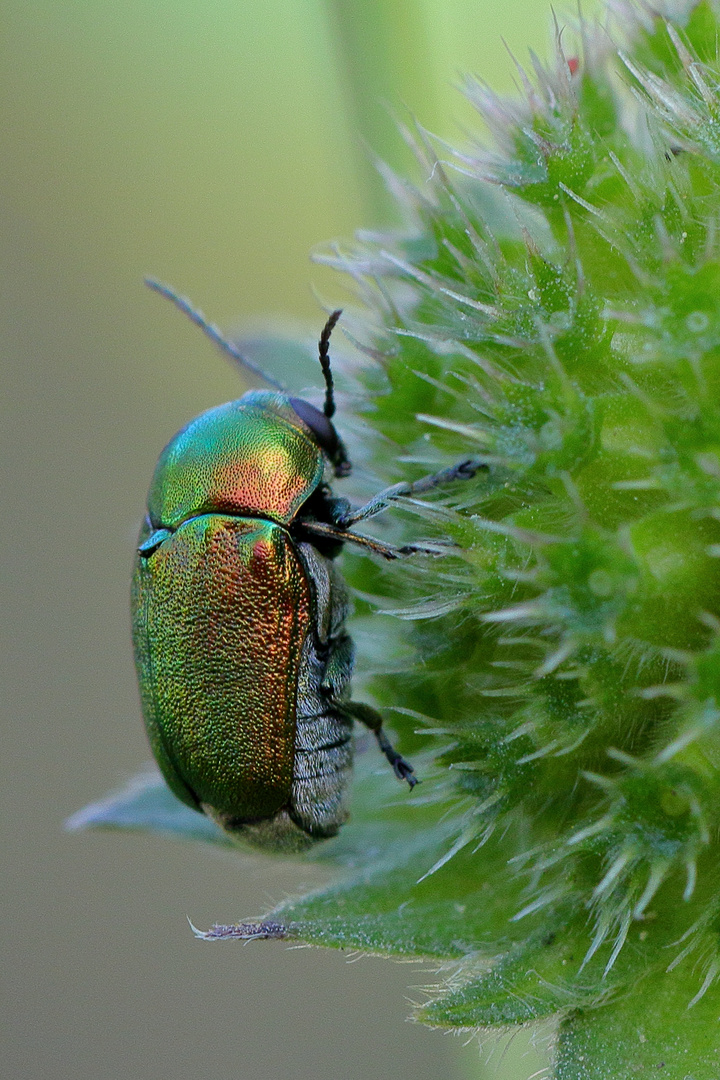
{"type": "Point", "coordinates": [239, 611]}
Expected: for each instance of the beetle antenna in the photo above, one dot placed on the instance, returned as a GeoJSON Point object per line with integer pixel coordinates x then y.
{"type": "Point", "coordinates": [324, 355]}
{"type": "Point", "coordinates": [216, 335]}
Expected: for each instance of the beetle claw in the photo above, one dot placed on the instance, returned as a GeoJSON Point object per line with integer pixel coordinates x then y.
{"type": "Point", "coordinates": [404, 771]}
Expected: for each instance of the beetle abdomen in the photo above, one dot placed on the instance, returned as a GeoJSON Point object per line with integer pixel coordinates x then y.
{"type": "Point", "coordinates": [221, 613]}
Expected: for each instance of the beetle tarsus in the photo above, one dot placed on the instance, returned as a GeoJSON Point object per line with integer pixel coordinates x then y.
{"type": "Point", "coordinates": [371, 718]}
{"type": "Point", "coordinates": [462, 470]}
{"type": "Point", "coordinates": [431, 547]}
{"type": "Point", "coordinates": [402, 768]}
{"type": "Point", "coordinates": [404, 771]}
{"type": "Point", "coordinates": [344, 536]}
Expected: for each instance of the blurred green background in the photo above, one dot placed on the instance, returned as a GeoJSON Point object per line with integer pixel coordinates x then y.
{"type": "Point", "coordinates": [214, 145]}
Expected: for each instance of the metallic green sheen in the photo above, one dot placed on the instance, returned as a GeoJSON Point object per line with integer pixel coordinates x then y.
{"type": "Point", "coordinates": [253, 456]}
{"type": "Point", "coordinates": [220, 612]}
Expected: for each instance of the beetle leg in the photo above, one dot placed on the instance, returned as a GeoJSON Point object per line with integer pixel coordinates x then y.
{"type": "Point", "coordinates": [373, 720]}
{"type": "Point", "coordinates": [339, 666]}
{"type": "Point", "coordinates": [463, 470]}
{"type": "Point", "coordinates": [386, 550]}
{"type": "Point", "coordinates": [153, 542]}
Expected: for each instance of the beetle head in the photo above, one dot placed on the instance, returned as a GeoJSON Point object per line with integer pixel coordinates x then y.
{"type": "Point", "coordinates": [325, 434]}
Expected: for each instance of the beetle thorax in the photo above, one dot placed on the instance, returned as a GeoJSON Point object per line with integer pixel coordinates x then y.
{"type": "Point", "coordinates": [246, 457]}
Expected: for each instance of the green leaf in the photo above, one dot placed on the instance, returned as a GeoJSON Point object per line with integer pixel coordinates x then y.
{"type": "Point", "coordinates": [653, 1031]}
{"type": "Point", "coordinates": [386, 899]}
{"type": "Point", "coordinates": [146, 804]}
{"type": "Point", "coordinates": [392, 906]}
{"type": "Point", "coordinates": [538, 978]}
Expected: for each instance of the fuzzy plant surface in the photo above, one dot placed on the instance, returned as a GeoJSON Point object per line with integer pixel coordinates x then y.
{"type": "Point", "coordinates": [551, 307]}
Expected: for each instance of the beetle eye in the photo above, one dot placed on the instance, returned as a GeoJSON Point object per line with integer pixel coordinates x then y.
{"type": "Point", "coordinates": [319, 424]}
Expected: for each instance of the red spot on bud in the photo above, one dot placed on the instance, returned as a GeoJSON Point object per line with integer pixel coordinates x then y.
{"type": "Point", "coordinates": [573, 63]}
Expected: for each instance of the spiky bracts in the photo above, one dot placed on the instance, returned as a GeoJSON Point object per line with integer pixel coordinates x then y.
{"type": "Point", "coordinates": [553, 308]}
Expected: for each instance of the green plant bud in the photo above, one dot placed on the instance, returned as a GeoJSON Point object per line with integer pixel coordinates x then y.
{"type": "Point", "coordinates": [553, 308]}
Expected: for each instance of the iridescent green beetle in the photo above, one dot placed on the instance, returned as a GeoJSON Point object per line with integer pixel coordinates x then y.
{"type": "Point", "coordinates": [239, 612]}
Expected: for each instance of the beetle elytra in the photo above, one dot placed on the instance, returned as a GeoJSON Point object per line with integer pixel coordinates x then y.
{"type": "Point", "coordinates": [239, 611]}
